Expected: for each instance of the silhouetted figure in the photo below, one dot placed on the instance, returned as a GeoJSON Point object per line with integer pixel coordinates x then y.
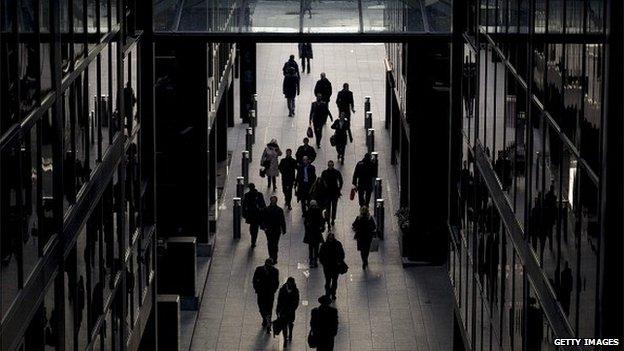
{"type": "Point", "coordinates": [291, 63]}
{"type": "Point", "coordinates": [252, 207]}
{"type": "Point", "coordinates": [324, 324]}
{"type": "Point", "coordinates": [342, 128]}
{"type": "Point", "coordinates": [365, 229]}
{"type": "Point", "coordinates": [324, 88]}
{"type": "Point", "coordinates": [129, 102]}
{"type": "Point", "coordinates": [332, 178]}
{"type": "Point", "coordinates": [306, 5]}
{"type": "Point", "coordinates": [270, 162]}
{"type": "Point", "coordinates": [318, 193]}
{"type": "Point", "coordinates": [319, 112]}
{"type": "Point", "coordinates": [274, 226]}
{"type": "Point", "coordinates": [287, 303]}
{"type": "Point", "coordinates": [363, 178]}
{"type": "Point", "coordinates": [331, 255]}
{"type": "Point", "coordinates": [265, 284]}
{"type": "Point", "coordinates": [565, 288]}
{"type": "Point", "coordinates": [80, 301]}
{"type": "Point", "coordinates": [466, 187]}
{"type": "Point", "coordinates": [550, 214]}
{"type": "Point", "coordinates": [535, 326]}
{"type": "Point", "coordinates": [314, 225]}
{"type": "Point", "coordinates": [287, 168]}
{"type": "Point", "coordinates": [305, 54]}
{"type": "Point", "coordinates": [290, 88]}
{"type": "Point", "coordinates": [306, 176]}
{"type": "Point", "coordinates": [491, 258]}
{"type": "Point", "coordinates": [536, 226]}
{"type": "Point", "coordinates": [305, 150]}
{"type": "Point", "coordinates": [344, 100]}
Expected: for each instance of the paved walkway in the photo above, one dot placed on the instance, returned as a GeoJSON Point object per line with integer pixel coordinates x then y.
{"type": "Point", "coordinates": [385, 308]}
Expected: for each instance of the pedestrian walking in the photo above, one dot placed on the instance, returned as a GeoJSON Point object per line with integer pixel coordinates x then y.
{"type": "Point", "coordinates": [291, 63]}
{"type": "Point", "coordinates": [274, 225]}
{"type": "Point", "coordinates": [287, 303]}
{"type": "Point", "coordinates": [324, 88]}
{"type": "Point", "coordinates": [252, 207]}
{"type": "Point", "coordinates": [290, 88]}
{"type": "Point", "coordinates": [306, 6]}
{"type": "Point", "coordinates": [342, 128]}
{"type": "Point", "coordinates": [344, 101]}
{"type": "Point", "coordinates": [305, 54]}
{"type": "Point", "coordinates": [331, 256]}
{"type": "Point", "coordinates": [270, 162]}
{"type": "Point", "coordinates": [363, 177]}
{"type": "Point", "coordinates": [332, 178]}
{"type": "Point", "coordinates": [314, 225]}
{"type": "Point", "coordinates": [319, 111]}
{"type": "Point", "coordinates": [265, 283]}
{"type": "Point", "coordinates": [287, 168]}
{"type": "Point", "coordinates": [306, 176]}
{"type": "Point", "coordinates": [365, 229]}
{"type": "Point", "coordinates": [324, 325]}
{"type": "Point", "coordinates": [319, 194]}
{"type": "Point", "coordinates": [305, 150]}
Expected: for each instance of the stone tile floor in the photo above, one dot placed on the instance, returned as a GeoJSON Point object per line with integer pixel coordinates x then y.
{"type": "Point", "coordinates": [387, 307]}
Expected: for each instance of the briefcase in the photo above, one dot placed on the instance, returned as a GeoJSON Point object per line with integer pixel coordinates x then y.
{"type": "Point", "coordinates": [332, 140]}
{"type": "Point", "coordinates": [352, 194]}
{"type": "Point", "coordinates": [310, 132]}
{"type": "Point", "coordinates": [374, 246]}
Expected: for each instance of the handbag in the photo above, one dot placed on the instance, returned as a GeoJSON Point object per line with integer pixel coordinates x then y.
{"type": "Point", "coordinates": [310, 132]}
{"type": "Point", "coordinates": [352, 194]}
{"type": "Point", "coordinates": [374, 245]}
{"type": "Point", "coordinates": [332, 140]}
{"type": "Point", "coordinates": [278, 326]}
{"type": "Point", "coordinates": [262, 172]}
{"type": "Point", "coordinates": [312, 342]}
{"type": "Point", "coordinates": [342, 267]}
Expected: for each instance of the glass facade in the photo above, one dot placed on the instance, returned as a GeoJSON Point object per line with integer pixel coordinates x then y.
{"type": "Point", "coordinates": [71, 179]}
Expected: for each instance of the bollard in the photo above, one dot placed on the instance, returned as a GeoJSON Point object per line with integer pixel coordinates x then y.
{"type": "Point", "coordinates": [370, 139]}
{"type": "Point", "coordinates": [375, 159]}
{"type": "Point", "coordinates": [245, 167]}
{"type": "Point", "coordinates": [252, 124]}
{"type": "Point", "coordinates": [240, 186]}
{"type": "Point", "coordinates": [249, 143]}
{"type": "Point", "coordinates": [378, 189]}
{"type": "Point", "coordinates": [237, 218]}
{"type": "Point", "coordinates": [379, 218]}
{"type": "Point", "coordinates": [367, 105]}
{"type": "Point", "coordinates": [255, 107]}
{"type": "Point", "coordinates": [368, 120]}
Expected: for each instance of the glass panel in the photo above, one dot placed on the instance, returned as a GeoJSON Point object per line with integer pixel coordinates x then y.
{"type": "Point", "coordinates": [50, 318]}
{"type": "Point", "coordinates": [590, 122]}
{"type": "Point", "coordinates": [79, 28]}
{"type": "Point", "coordinates": [73, 300]}
{"type": "Point", "coordinates": [572, 90]}
{"type": "Point", "coordinates": [104, 105]}
{"type": "Point", "coordinates": [104, 19]}
{"type": "Point", "coordinates": [330, 16]}
{"type": "Point", "coordinates": [539, 335]}
{"type": "Point", "coordinates": [47, 185]}
{"type": "Point", "coordinates": [517, 303]}
{"type": "Point", "coordinates": [91, 16]}
{"type": "Point", "coordinates": [81, 290]}
{"type": "Point", "coordinates": [595, 16]}
{"type": "Point", "coordinates": [373, 15]}
{"type": "Point", "coordinates": [469, 83]}
{"type": "Point", "coordinates": [32, 192]}
{"type": "Point", "coordinates": [438, 15]}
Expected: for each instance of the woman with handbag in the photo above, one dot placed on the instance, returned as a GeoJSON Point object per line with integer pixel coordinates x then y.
{"type": "Point", "coordinates": [287, 303]}
{"type": "Point", "coordinates": [342, 129]}
{"type": "Point", "coordinates": [269, 162]}
{"type": "Point", "coordinates": [332, 257]}
{"type": "Point", "coordinates": [314, 224]}
{"type": "Point", "coordinates": [364, 227]}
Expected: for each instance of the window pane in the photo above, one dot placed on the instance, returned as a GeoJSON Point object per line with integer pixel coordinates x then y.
{"type": "Point", "coordinates": [31, 183]}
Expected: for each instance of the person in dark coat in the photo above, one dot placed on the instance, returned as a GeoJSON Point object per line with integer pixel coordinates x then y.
{"type": "Point", "coordinates": [342, 128]}
{"type": "Point", "coordinates": [305, 150]}
{"type": "Point", "coordinates": [306, 176]}
{"type": "Point", "coordinates": [291, 63]}
{"type": "Point", "coordinates": [274, 225]}
{"type": "Point", "coordinates": [333, 184]}
{"type": "Point", "coordinates": [344, 101]}
{"type": "Point", "coordinates": [314, 225]}
{"type": "Point", "coordinates": [565, 288]}
{"type": "Point", "coordinates": [265, 283]}
{"type": "Point", "coordinates": [290, 88]}
{"type": "Point", "coordinates": [365, 228]}
{"type": "Point", "coordinates": [305, 54]}
{"type": "Point", "coordinates": [550, 214]}
{"type": "Point", "coordinates": [363, 178]}
{"type": "Point", "coordinates": [331, 256]}
{"type": "Point", "coordinates": [535, 326]}
{"type": "Point", "coordinates": [287, 303]}
{"type": "Point", "coordinates": [319, 111]}
{"type": "Point", "coordinates": [324, 88]}
{"type": "Point", "coordinates": [252, 207]}
{"type": "Point", "coordinates": [287, 168]}
{"type": "Point", "coordinates": [324, 324]}
{"type": "Point", "coordinates": [129, 102]}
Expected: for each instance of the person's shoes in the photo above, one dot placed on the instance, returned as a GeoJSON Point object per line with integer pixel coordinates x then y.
{"type": "Point", "coordinates": [264, 323]}
{"type": "Point", "coordinates": [269, 328]}
{"type": "Point", "coordinates": [285, 343]}
{"type": "Point", "coordinates": [333, 297]}
{"type": "Point", "coordinates": [333, 222]}
{"type": "Point", "coordinates": [289, 207]}
{"type": "Point", "coordinates": [253, 245]}
{"type": "Point", "coordinates": [364, 265]}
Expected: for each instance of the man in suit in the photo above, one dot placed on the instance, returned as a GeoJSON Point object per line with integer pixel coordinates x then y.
{"type": "Point", "coordinates": [324, 88]}
{"type": "Point", "coordinates": [287, 168]}
{"type": "Point", "coordinates": [305, 150]}
{"type": "Point", "coordinates": [291, 63]}
{"type": "Point", "coordinates": [319, 111]}
{"type": "Point", "coordinates": [344, 100]}
{"type": "Point", "coordinates": [265, 283]}
{"type": "Point", "coordinates": [333, 183]}
{"type": "Point", "coordinates": [306, 176]}
{"type": "Point", "coordinates": [252, 207]}
{"type": "Point", "coordinates": [363, 177]}
{"type": "Point", "coordinates": [274, 225]}
{"type": "Point", "coordinates": [324, 324]}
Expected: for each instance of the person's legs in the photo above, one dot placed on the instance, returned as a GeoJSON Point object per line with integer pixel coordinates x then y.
{"type": "Point", "coordinates": [273, 180]}
{"type": "Point", "coordinates": [368, 193]}
{"type": "Point", "coordinates": [333, 207]}
{"type": "Point", "coordinates": [287, 189]}
{"type": "Point", "coordinates": [334, 284]}
{"type": "Point", "coordinates": [361, 196]}
{"type": "Point", "coordinates": [272, 245]}
{"type": "Point", "coordinates": [315, 251]}
{"type": "Point", "coordinates": [303, 65]}
{"type": "Point", "coordinates": [253, 231]}
{"type": "Point", "coordinates": [291, 325]}
{"type": "Point", "coordinates": [328, 281]}
{"type": "Point", "coordinates": [308, 59]}
{"type": "Point", "coordinates": [318, 135]}
{"type": "Point", "coordinates": [364, 255]}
